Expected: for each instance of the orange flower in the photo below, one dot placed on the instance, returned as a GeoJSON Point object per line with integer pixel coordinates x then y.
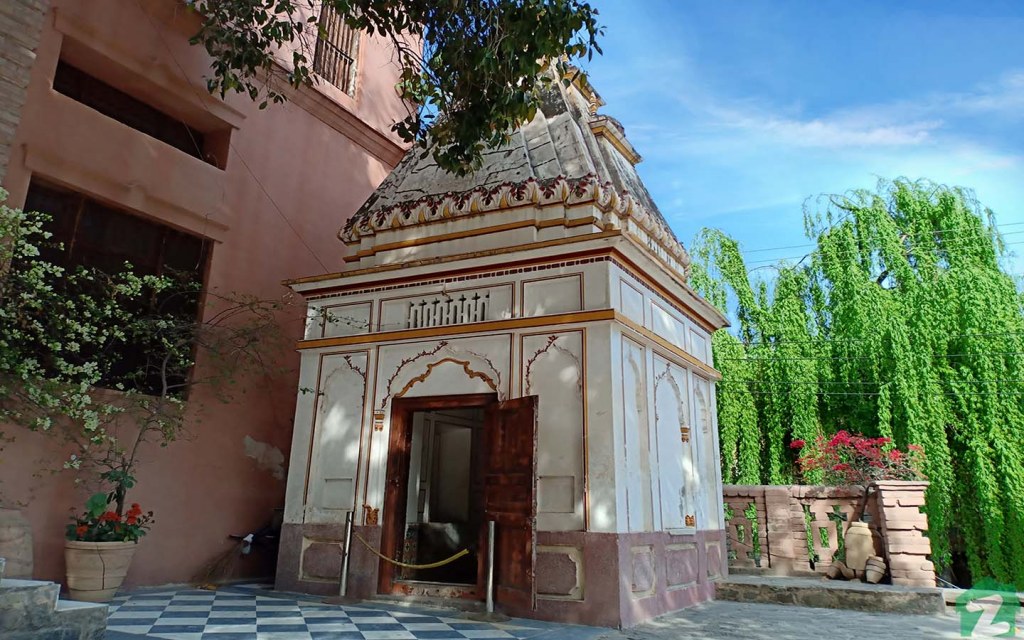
{"type": "Point", "coordinates": [110, 516]}
{"type": "Point", "coordinates": [81, 530]}
{"type": "Point", "coordinates": [130, 519]}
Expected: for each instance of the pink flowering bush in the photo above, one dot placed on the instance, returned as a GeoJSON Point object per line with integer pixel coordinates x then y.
{"type": "Point", "coordinates": [853, 459]}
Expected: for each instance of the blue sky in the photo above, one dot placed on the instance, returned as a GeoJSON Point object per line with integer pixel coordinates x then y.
{"type": "Point", "coordinates": [743, 109]}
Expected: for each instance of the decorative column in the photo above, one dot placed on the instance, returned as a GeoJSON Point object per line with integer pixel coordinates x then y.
{"type": "Point", "coordinates": [21, 23]}
{"type": "Point", "coordinates": [903, 527]}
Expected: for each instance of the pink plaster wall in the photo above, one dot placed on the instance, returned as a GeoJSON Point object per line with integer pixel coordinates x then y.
{"type": "Point", "coordinates": [318, 157]}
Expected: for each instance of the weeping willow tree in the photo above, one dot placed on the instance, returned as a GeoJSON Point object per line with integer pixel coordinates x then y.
{"type": "Point", "coordinates": [901, 322]}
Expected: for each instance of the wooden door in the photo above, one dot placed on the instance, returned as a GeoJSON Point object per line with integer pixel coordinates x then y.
{"type": "Point", "coordinates": [510, 498]}
{"type": "Point", "coordinates": [393, 518]}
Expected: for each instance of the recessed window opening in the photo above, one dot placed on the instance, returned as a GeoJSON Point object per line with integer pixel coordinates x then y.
{"type": "Point", "coordinates": [130, 111]}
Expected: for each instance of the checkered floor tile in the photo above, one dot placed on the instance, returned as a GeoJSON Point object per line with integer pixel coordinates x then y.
{"type": "Point", "coordinates": [253, 613]}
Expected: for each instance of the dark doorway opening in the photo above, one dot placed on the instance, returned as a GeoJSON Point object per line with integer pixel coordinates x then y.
{"type": "Point", "coordinates": [443, 513]}
{"type": "Point", "coordinates": [456, 463]}
{"type": "Point", "coordinates": [433, 502]}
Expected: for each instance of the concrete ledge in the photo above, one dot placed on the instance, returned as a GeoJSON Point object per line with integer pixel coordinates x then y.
{"type": "Point", "coordinates": [950, 596]}
{"type": "Point", "coordinates": [26, 604]}
{"type": "Point", "coordinates": [831, 594]}
{"type": "Point", "coordinates": [30, 610]}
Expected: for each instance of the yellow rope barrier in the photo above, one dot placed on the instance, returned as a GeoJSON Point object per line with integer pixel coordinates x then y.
{"type": "Point", "coordinates": [432, 565]}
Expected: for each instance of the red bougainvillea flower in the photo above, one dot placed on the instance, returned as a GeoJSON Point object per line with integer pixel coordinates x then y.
{"type": "Point", "coordinates": [853, 459]}
{"type": "Point", "coordinates": [841, 437]}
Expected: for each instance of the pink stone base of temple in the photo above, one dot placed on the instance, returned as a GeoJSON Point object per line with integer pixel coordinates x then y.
{"type": "Point", "coordinates": [603, 579]}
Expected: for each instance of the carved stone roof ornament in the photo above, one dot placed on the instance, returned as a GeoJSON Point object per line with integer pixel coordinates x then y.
{"type": "Point", "coordinates": [568, 155]}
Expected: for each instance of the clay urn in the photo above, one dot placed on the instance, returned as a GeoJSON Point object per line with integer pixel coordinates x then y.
{"type": "Point", "coordinates": [860, 545]}
{"type": "Point", "coordinates": [874, 570]}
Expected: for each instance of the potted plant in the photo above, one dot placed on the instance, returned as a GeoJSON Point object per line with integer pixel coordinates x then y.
{"type": "Point", "coordinates": [99, 548]}
{"type": "Point", "coordinates": [106, 363]}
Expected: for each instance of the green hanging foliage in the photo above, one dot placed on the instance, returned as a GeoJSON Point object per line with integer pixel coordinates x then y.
{"type": "Point", "coordinates": [901, 322]}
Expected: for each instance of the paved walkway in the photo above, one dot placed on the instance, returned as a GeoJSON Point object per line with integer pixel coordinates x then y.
{"type": "Point", "coordinates": [734, 620]}
{"type": "Point", "coordinates": [252, 612]}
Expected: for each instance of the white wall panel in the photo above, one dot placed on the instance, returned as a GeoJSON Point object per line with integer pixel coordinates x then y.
{"type": "Point", "coordinates": [336, 431]}
{"type": "Point", "coordinates": [553, 370]}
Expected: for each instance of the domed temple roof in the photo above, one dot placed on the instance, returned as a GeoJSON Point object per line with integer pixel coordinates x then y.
{"type": "Point", "coordinates": [568, 154]}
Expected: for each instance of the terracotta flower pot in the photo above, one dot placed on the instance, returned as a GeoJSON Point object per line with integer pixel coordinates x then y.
{"type": "Point", "coordinates": [874, 570]}
{"type": "Point", "coordinates": [95, 570]}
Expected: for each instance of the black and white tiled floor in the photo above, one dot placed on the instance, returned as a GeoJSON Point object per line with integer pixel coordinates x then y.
{"type": "Point", "coordinates": [252, 612]}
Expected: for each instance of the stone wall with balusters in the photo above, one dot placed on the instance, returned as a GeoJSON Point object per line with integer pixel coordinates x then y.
{"type": "Point", "coordinates": [796, 530]}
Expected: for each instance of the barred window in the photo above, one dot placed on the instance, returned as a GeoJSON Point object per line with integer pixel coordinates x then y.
{"type": "Point", "coordinates": [128, 110]}
{"type": "Point", "coordinates": [336, 47]}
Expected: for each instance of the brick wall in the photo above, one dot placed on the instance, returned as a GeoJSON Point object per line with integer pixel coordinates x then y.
{"type": "Point", "coordinates": [797, 528]}
{"type": "Point", "coordinates": [21, 22]}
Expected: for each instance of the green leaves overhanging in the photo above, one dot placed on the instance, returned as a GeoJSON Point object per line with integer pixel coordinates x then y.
{"type": "Point", "coordinates": [903, 322]}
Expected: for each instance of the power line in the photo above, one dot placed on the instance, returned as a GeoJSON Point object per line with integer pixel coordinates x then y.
{"type": "Point", "coordinates": [875, 393]}
{"type": "Point", "coordinates": [777, 341]}
{"type": "Point", "coordinates": [860, 383]}
{"type": "Point", "coordinates": [960, 230]}
{"type": "Point", "coordinates": [934, 355]}
{"type": "Point", "coordinates": [962, 238]}
{"type": "Point", "coordinates": [957, 244]}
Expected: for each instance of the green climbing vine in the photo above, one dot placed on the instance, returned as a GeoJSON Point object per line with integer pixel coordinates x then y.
{"type": "Point", "coordinates": [901, 322]}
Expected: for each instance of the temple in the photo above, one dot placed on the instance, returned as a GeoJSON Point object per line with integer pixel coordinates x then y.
{"type": "Point", "coordinates": [518, 346]}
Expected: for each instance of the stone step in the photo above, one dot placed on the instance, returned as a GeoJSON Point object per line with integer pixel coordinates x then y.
{"type": "Point", "coordinates": [32, 610]}
{"type": "Point", "coordinates": [432, 602]}
{"type": "Point", "coordinates": [85, 620]}
{"type": "Point", "coordinates": [951, 595]}
{"type": "Point", "coordinates": [73, 613]}
{"type": "Point", "coordinates": [26, 604]}
{"type": "Point", "coordinates": [831, 594]}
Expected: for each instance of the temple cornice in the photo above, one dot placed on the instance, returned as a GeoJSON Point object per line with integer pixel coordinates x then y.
{"type": "Point", "coordinates": [619, 209]}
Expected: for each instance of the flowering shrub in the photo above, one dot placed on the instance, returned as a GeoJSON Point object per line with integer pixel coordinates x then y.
{"type": "Point", "coordinates": [100, 524]}
{"type": "Point", "coordinates": [853, 459]}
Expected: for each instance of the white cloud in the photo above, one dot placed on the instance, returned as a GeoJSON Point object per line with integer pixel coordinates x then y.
{"type": "Point", "coordinates": [1003, 97]}
{"type": "Point", "coordinates": [830, 132]}
{"type": "Point", "coordinates": [748, 165]}
{"type": "Point", "coordinates": [925, 121]}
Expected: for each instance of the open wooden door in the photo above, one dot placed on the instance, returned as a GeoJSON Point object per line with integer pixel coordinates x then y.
{"type": "Point", "coordinates": [510, 498]}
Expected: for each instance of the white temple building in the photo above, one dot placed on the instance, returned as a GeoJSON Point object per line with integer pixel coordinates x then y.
{"type": "Point", "coordinates": [518, 346]}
